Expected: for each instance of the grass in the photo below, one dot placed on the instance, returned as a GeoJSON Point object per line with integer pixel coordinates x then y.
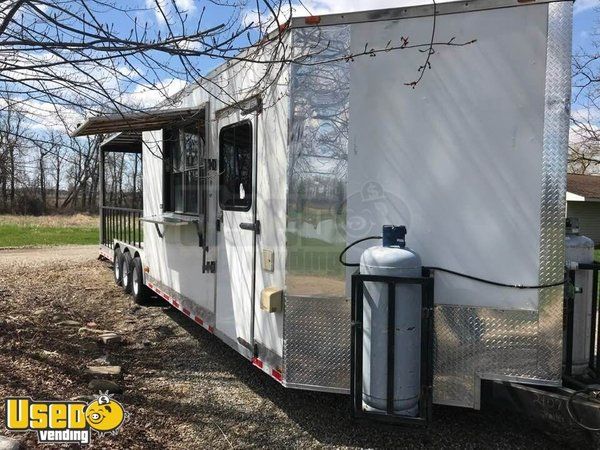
{"type": "Point", "coordinates": [56, 221]}
{"type": "Point", "coordinates": [29, 231]}
{"type": "Point", "coordinates": [314, 257]}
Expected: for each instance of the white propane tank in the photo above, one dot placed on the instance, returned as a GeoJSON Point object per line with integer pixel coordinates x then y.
{"type": "Point", "coordinates": [580, 249]}
{"type": "Point", "coordinates": [391, 259]}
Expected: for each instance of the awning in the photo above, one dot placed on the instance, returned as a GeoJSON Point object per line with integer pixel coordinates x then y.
{"type": "Point", "coordinates": [138, 121]}
{"type": "Point", "coordinates": [125, 142]}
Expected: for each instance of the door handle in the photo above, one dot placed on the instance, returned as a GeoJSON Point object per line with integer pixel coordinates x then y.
{"type": "Point", "coordinates": [251, 226]}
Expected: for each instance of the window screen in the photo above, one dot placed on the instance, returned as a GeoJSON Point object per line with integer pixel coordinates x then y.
{"type": "Point", "coordinates": [183, 147]}
{"type": "Point", "coordinates": [235, 165]}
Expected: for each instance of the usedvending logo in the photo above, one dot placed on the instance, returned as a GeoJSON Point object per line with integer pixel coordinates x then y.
{"type": "Point", "coordinates": [65, 422]}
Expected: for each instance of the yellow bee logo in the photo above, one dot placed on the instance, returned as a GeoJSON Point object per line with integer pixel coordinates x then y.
{"type": "Point", "coordinates": [105, 414]}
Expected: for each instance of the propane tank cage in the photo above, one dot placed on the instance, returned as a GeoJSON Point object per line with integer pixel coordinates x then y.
{"type": "Point", "coordinates": [594, 354]}
{"type": "Point", "coordinates": [356, 346]}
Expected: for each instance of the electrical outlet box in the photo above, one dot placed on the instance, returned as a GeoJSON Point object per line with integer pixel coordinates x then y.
{"type": "Point", "coordinates": [271, 299]}
{"type": "Point", "coordinates": [268, 260]}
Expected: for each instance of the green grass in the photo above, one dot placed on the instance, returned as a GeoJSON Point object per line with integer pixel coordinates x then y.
{"type": "Point", "coordinates": [314, 257]}
{"type": "Point", "coordinates": [12, 235]}
{"type": "Point", "coordinates": [597, 255]}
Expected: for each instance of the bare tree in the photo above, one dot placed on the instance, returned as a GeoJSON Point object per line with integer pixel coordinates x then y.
{"type": "Point", "coordinates": [11, 127]}
{"type": "Point", "coordinates": [584, 154]}
{"type": "Point", "coordinates": [68, 60]}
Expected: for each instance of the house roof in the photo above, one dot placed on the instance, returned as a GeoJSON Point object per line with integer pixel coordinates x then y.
{"type": "Point", "coordinates": [587, 186]}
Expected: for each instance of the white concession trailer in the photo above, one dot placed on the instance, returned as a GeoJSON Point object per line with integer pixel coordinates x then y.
{"type": "Point", "coordinates": [257, 177]}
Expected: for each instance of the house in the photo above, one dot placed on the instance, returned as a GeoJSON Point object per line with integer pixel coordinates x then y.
{"type": "Point", "coordinates": [583, 202]}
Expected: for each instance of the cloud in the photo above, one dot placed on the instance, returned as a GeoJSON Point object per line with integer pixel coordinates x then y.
{"type": "Point", "coordinates": [161, 7]}
{"type": "Point", "coordinates": [585, 5]}
{"type": "Point", "coordinates": [586, 125]}
{"type": "Point", "coordinates": [146, 96]}
{"type": "Point", "coordinates": [43, 116]}
{"type": "Point", "coordinates": [185, 5]}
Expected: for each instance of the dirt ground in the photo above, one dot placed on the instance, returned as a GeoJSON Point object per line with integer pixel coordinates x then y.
{"type": "Point", "coordinates": [182, 386]}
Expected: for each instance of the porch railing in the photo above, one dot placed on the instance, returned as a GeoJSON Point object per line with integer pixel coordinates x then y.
{"type": "Point", "coordinates": [122, 224]}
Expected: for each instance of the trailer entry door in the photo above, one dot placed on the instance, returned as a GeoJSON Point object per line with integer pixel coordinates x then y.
{"type": "Point", "coordinates": [236, 242]}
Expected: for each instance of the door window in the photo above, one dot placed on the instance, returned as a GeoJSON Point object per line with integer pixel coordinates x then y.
{"type": "Point", "coordinates": [235, 166]}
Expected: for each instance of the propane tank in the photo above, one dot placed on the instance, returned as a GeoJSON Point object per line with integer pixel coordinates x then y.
{"type": "Point", "coordinates": [393, 258]}
{"type": "Point", "coordinates": [580, 249]}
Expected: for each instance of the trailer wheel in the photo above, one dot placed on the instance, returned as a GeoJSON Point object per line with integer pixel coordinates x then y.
{"type": "Point", "coordinates": [141, 293]}
{"type": "Point", "coordinates": [117, 263]}
{"type": "Point", "coordinates": [126, 269]}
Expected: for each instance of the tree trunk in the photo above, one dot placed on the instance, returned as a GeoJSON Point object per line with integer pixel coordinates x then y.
{"type": "Point", "coordinates": [4, 203]}
{"type": "Point", "coordinates": [84, 186]}
{"type": "Point", "coordinates": [3, 181]}
{"type": "Point", "coordinates": [11, 154]}
{"type": "Point", "coordinates": [93, 198]}
{"type": "Point", "coordinates": [134, 203]}
{"type": "Point", "coordinates": [42, 182]}
{"type": "Point", "coordinates": [120, 179]}
{"type": "Point", "coordinates": [57, 184]}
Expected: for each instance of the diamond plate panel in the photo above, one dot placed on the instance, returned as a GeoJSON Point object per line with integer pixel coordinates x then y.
{"type": "Point", "coordinates": [472, 343]}
{"type": "Point", "coordinates": [556, 141]}
{"type": "Point", "coordinates": [316, 342]}
{"type": "Point", "coordinates": [481, 342]}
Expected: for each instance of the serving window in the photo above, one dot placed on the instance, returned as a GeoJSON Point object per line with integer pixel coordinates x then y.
{"type": "Point", "coordinates": [183, 153]}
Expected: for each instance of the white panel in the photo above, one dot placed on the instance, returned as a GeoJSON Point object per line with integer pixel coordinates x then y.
{"type": "Point", "coordinates": [175, 259]}
{"type": "Point", "coordinates": [271, 207]}
{"type": "Point", "coordinates": [458, 159]}
{"type": "Point", "coordinates": [153, 193]}
{"type": "Point", "coordinates": [177, 264]}
{"type": "Point", "coordinates": [233, 308]}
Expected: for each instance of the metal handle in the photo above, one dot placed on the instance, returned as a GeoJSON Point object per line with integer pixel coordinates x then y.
{"type": "Point", "coordinates": [251, 226]}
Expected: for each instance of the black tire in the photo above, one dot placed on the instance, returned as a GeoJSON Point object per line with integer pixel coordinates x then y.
{"type": "Point", "coordinates": [141, 293]}
{"type": "Point", "coordinates": [126, 269]}
{"type": "Point", "coordinates": [117, 263]}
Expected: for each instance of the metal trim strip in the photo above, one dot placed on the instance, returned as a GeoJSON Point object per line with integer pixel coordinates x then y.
{"type": "Point", "coordinates": [316, 388]}
{"type": "Point", "coordinates": [106, 252]}
{"type": "Point", "coordinates": [411, 12]}
{"type": "Point", "coordinates": [205, 317]}
{"type": "Point", "coordinates": [270, 357]}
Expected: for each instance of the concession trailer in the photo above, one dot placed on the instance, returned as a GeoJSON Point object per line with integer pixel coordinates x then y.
{"type": "Point", "coordinates": [262, 180]}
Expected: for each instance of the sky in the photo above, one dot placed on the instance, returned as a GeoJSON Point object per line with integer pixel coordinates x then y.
{"type": "Point", "coordinates": [145, 12]}
{"type": "Point", "coordinates": [585, 19]}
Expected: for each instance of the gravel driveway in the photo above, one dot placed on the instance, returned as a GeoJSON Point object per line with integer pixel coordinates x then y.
{"type": "Point", "coordinates": [184, 388]}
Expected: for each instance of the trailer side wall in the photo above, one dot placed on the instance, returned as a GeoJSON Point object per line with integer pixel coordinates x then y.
{"type": "Point", "coordinates": [472, 160]}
